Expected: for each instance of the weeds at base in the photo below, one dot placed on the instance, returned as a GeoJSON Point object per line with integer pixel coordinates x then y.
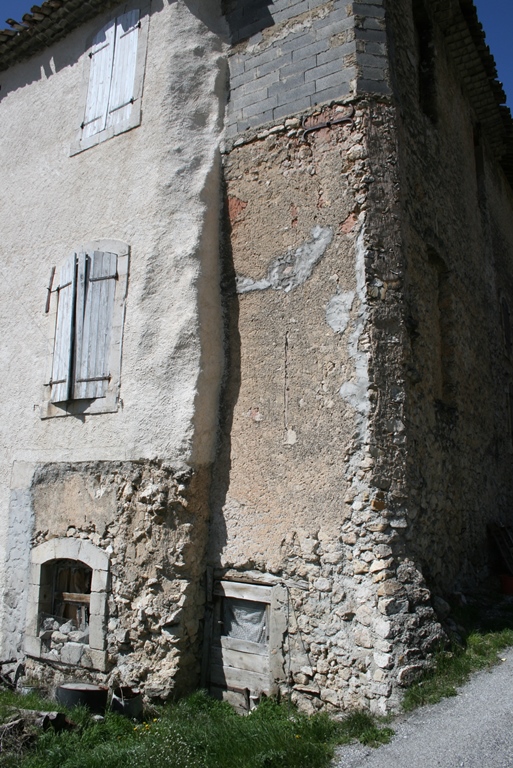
{"type": "Point", "coordinates": [198, 732]}
{"type": "Point", "coordinates": [452, 667]}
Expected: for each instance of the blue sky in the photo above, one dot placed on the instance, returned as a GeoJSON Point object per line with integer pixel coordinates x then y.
{"type": "Point", "coordinates": [496, 16]}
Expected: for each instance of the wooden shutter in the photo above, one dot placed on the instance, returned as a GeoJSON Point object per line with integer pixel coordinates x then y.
{"type": "Point", "coordinates": [64, 333]}
{"type": "Point", "coordinates": [96, 288]}
{"type": "Point", "coordinates": [102, 56]}
{"type": "Point", "coordinates": [123, 72]}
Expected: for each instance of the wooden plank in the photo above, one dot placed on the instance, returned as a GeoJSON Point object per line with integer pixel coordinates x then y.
{"type": "Point", "coordinates": [244, 646]}
{"type": "Point", "coordinates": [254, 592]}
{"type": "Point", "coordinates": [74, 597]}
{"type": "Point", "coordinates": [123, 72]}
{"type": "Point", "coordinates": [239, 678]}
{"type": "Point", "coordinates": [237, 699]}
{"type": "Point", "coordinates": [64, 333]}
{"type": "Point", "coordinates": [100, 74]}
{"type": "Point", "coordinates": [250, 662]}
{"type": "Point", "coordinates": [94, 336]}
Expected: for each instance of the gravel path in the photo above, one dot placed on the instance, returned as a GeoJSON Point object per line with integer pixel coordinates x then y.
{"type": "Point", "coordinates": [473, 730]}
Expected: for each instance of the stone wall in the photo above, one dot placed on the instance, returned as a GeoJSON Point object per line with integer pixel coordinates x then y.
{"type": "Point", "coordinates": [310, 482]}
{"type": "Point", "coordinates": [149, 519]}
{"type": "Point", "coordinates": [456, 233]}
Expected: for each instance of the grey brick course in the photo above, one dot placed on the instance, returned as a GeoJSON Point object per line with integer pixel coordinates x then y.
{"type": "Point", "coordinates": [261, 106]}
{"type": "Point", "coordinates": [365, 9]}
{"type": "Point", "coordinates": [314, 48]}
{"type": "Point", "coordinates": [373, 86]}
{"type": "Point", "coordinates": [378, 49]}
{"type": "Point", "coordinates": [317, 72]}
{"type": "Point", "coordinates": [330, 29]}
{"type": "Point", "coordinates": [370, 23]}
{"type": "Point", "coordinates": [291, 82]}
{"type": "Point", "coordinates": [372, 73]}
{"type": "Point", "coordinates": [259, 82]}
{"type": "Point", "coordinates": [332, 81]}
{"type": "Point", "coordinates": [332, 94]}
{"type": "Point", "coordinates": [369, 60]}
{"type": "Point", "coordinates": [304, 67]}
{"type": "Point", "coordinates": [252, 62]}
{"type": "Point", "coordinates": [337, 53]}
{"type": "Point", "coordinates": [298, 66]}
{"type": "Point", "coordinates": [297, 40]}
{"type": "Point", "coordinates": [253, 122]}
{"type": "Point", "coordinates": [291, 108]}
{"type": "Point", "coordinates": [295, 94]}
{"type": "Point", "coordinates": [340, 14]}
{"type": "Point", "coordinates": [241, 101]}
{"type": "Point", "coordinates": [370, 35]}
{"type": "Point", "coordinates": [285, 14]}
{"type": "Point", "coordinates": [280, 61]}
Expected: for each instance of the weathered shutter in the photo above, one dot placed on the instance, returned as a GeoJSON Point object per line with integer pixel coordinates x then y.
{"type": "Point", "coordinates": [64, 333]}
{"type": "Point", "coordinates": [100, 75]}
{"type": "Point", "coordinates": [97, 273]}
{"type": "Point", "coordinates": [123, 72]}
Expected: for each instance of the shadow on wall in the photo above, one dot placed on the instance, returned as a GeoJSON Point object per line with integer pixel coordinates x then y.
{"type": "Point", "coordinates": [229, 395]}
{"type": "Point", "coordinates": [247, 17]}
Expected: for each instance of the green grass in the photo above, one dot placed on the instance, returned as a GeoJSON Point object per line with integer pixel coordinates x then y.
{"type": "Point", "coordinates": [486, 633]}
{"type": "Point", "coordinates": [198, 732]}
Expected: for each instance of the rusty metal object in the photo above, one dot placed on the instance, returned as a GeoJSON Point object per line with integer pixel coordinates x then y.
{"type": "Point", "coordinates": [328, 123]}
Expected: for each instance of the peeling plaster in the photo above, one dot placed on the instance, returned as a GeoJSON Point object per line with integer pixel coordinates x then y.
{"type": "Point", "coordinates": [338, 310]}
{"type": "Point", "coordinates": [294, 268]}
{"type": "Point", "coordinates": [355, 391]}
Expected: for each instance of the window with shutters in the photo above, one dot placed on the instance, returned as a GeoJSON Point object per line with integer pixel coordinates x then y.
{"type": "Point", "coordinates": [114, 78]}
{"type": "Point", "coordinates": [88, 307]}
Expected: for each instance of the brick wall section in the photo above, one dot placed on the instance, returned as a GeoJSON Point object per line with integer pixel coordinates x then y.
{"type": "Point", "coordinates": [291, 55]}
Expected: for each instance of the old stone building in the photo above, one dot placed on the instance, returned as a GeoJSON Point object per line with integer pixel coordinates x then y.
{"type": "Point", "coordinates": [256, 288]}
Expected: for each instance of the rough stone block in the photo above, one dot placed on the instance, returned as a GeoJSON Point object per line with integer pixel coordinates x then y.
{"type": "Point", "coordinates": [97, 633]}
{"type": "Point", "coordinates": [100, 581]}
{"type": "Point", "coordinates": [32, 646]}
{"type": "Point", "coordinates": [71, 653]}
{"type": "Point", "coordinates": [94, 659]}
{"type": "Point", "coordinates": [98, 604]}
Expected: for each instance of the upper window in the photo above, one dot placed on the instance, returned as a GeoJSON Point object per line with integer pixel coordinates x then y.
{"type": "Point", "coordinates": [114, 80]}
{"type": "Point", "coordinates": [89, 314]}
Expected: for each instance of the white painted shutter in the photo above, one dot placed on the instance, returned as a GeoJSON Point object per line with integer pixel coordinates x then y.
{"type": "Point", "coordinates": [123, 71]}
{"type": "Point", "coordinates": [102, 56]}
{"type": "Point", "coordinates": [64, 333]}
{"type": "Point", "coordinates": [97, 273]}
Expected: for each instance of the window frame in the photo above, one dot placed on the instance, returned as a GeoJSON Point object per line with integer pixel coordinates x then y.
{"type": "Point", "coordinates": [79, 143]}
{"type": "Point", "coordinates": [109, 403]}
{"type": "Point", "coordinates": [42, 561]}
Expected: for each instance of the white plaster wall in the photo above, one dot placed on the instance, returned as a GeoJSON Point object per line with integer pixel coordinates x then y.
{"type": "Point", "coordinates": [156, 188]}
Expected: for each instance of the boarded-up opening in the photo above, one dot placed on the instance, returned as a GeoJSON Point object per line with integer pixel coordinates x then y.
{"type": "Point", "coordinates": [239, 652]}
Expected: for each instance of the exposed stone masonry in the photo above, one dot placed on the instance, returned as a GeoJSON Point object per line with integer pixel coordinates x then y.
{"type": "Point", "coordinates": [152, 523]}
